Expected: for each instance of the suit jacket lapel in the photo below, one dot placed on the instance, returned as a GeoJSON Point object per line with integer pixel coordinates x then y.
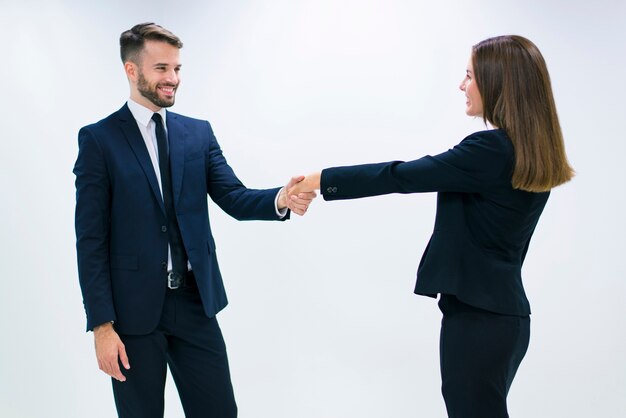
{"type": "Point", "coordinates": [136, 142]}
{"type": "Point", "coordinates": [177, 135]}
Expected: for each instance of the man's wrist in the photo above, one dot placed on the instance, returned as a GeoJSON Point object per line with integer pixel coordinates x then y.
{"type": "Point", "coordinates": [281, 200]}
{"type": "Point", "coordinates": [104, 326]}
{"type": "Point", "coordinates": [280, 207]}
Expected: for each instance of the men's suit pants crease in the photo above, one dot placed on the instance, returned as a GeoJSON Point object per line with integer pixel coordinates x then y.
{"type": "Point", "coordinates": [480, 352]}
{"type": "Point", "coordinates": [193, 347]}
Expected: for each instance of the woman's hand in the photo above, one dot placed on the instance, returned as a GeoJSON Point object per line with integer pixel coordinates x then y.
{"type": "Point", "coordinates": [305, 187]}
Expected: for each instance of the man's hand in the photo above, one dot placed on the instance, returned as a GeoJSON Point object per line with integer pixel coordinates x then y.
{"type": "Point", "coordinates": [297, 203]}
{"type": "Point", "coordinates": [109, 348]}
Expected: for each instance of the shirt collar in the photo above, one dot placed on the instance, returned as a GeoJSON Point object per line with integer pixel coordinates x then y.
{"type": "Point", "coordinates": [142, 114]}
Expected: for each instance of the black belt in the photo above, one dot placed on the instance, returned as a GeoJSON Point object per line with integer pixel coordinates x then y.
{"type": "Point", "coordinates": [177, 280]}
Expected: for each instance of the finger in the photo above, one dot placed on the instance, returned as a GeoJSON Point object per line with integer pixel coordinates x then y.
{"type": "Point", "coordinates": [295, 209]}
{"type": "Point", "coordinates": [109, 364]}
{"type": "Point", "coordinates": [124, 357]}
{"type": "Point", "coordinates": [299, 209]}
{"type": "Point", "coordinates": [295, 205]}
{"type": "Point", "coordinates": [292, 205]}
{"type": "Point", "coordinates": [294, 181]}
{"type": "Point", "coordinates": [103, 364]}
{"type": "Point", "coordinates": [307, 195]}
{"type": "Point", "coordinates": [300, 201]}
{"type": "Point", "coordinates": [303, 205]}
{"type": "Point", "coordinates": [116, 373]}
{"type": "Point", "coordinates": [106, 369]}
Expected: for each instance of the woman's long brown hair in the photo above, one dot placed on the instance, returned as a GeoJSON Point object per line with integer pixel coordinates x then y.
{"type": "Point", "coordinates": [514, 85]}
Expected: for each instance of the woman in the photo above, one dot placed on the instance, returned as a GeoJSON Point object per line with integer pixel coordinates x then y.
{"type": "Point", "coordinates": [492, 188]}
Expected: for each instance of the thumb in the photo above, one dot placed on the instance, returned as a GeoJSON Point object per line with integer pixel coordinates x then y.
{"type": "Point", "coordinates": [294, 181]}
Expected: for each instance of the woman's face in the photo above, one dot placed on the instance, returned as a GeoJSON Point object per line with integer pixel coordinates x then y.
{"type": "Point", "coordinates": [473, 104]}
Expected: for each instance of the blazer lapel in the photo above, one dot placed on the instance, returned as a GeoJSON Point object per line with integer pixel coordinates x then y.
{"type": "Point", "coordinates": [177, 135]}
{"type": "Point", "coordinates": [136, 142]}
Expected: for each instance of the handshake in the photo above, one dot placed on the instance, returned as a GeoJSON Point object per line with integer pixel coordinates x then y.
{"type": "Point", "coordinates": [298, 194]}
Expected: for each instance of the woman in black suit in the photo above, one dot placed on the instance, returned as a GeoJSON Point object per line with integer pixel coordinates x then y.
{"type": "Point", "coordinates": [492, 188]}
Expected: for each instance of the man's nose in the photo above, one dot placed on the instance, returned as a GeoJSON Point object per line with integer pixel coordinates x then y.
{"type": "Point", "coordinates": [172, 77]}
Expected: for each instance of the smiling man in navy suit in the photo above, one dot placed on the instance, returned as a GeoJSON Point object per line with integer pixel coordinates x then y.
{"type": "Point", "coordinates": [148, 271]}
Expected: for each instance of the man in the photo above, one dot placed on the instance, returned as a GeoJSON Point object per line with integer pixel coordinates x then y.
{"type": "Point", "coordinates": [146, 257]}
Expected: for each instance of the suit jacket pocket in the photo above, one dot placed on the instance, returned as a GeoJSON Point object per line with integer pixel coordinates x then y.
{"type": "Point", "coordinates": [124, 262]}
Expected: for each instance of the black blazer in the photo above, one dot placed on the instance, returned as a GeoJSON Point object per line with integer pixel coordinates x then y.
{"type": "Point", "coordinates": [121, 237]}
{"type": "Point", "coordinates": [483, 225]}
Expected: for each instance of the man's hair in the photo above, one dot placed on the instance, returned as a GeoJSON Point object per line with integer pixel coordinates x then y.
{"type": "Point", "coordinates": [132, 41]}
{"type": "Point", "coordinates": [514, 85]}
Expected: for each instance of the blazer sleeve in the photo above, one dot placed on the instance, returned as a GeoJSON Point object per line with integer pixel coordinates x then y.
{"type": "Point", "coordinates": [92, 230]}
{"type": "Point", "coordinates": [479, 162]}
{"type": "Point", "coordinates": [231, 195]}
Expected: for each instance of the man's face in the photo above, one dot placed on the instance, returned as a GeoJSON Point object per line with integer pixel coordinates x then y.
{"type": "Point", "coordinates": [157, 76]}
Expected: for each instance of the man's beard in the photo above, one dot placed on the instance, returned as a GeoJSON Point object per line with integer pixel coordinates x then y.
{"type": "Point", "coordinates": [151, 92]}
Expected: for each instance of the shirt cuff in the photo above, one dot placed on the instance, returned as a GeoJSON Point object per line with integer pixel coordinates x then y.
{"type": "Point", "coordinates": [280, 212]}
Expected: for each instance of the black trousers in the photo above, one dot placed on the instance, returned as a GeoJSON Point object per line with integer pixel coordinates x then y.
{"type": "Point", "coordinates": [193, 347]}
{"type": "Point", "coordinates": [480, 352]}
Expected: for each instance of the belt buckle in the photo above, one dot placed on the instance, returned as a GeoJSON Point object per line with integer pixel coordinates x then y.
{"type": "Point", "coordinates": [174, 280]}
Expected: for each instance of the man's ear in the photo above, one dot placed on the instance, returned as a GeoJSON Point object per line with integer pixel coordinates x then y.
{"type": "Point", "coordinates": [131, 70]}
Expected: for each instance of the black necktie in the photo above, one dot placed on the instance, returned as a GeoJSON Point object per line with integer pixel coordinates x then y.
{"type": "Point", "coordinates": [177, 248]}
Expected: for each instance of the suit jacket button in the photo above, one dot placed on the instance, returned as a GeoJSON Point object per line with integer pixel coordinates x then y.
{"type": "Point", "coordinates": [332, 189]}
{"type": "Point", "coordinates": [164, 228]}
{"type": "Point", "coordinates": [164, 265]}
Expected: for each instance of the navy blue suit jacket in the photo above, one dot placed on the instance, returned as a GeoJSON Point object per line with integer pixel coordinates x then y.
{"type": "Point", "coordinates": [483, 225]}
{"type": "Point", "coordinates": [121, 241]}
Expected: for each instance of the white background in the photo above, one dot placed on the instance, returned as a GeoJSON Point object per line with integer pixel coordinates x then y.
{"type": "Point", "coordinates": [322, 321]}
